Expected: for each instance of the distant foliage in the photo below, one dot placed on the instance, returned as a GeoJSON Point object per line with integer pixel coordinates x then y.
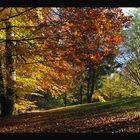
{"type": "Point", "coordinates": [130, 49]}
{"type": "Point", "coordinates": [115, 86]}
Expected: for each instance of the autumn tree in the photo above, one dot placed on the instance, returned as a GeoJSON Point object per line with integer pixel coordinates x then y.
{"type": "Point", "coordinates": [39, 66]}
{"type": "Point", "coordinates": [11, 23]}
{"type": "Point", "coordinates": [92, 37]}
{"type": "Point", "coordinates": [7, 59]}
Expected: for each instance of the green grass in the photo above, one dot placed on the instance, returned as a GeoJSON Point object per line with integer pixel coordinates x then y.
{"type": "Point", "coordinates": [114, 105]}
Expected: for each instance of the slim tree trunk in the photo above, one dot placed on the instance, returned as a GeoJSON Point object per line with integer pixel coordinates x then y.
{"type": "Point", "coordinates": [89, 86]}
{"type": "Point", "coordinates": [81, 94]}
{"type": "Point", "coordinates": [92, 85]}
{"type": "Point", "coordinates": [65, 99]}
{"type": "Point", "coordinates": [10, 71]}
{"type": "Point", "coordinates": [88, 89]}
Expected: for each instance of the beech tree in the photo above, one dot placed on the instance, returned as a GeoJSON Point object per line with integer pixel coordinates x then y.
{"type": "Point", "coordinates": [8, 70]}
{"type": "Point", "coordinates": [36, 37]}
{"type": "Point", "coordinates": [92, 37]}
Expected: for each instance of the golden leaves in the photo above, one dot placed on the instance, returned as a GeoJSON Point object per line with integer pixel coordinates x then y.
{"type": "Point", "coordinates": [74, 36]}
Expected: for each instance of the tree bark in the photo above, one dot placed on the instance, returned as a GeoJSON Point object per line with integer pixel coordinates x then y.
{"type": "Point", "coordinates": [88, 85]}
{"type": "Point", "coordinates": [10, 71]}
{"type": "Point", "coordinates": [81, 94]}
{"type": "Point", "coordinates": [2, 91]}
{"type": "Point", "coordinates": [92, 85]}
{"type": "Point", "coordinates": [65, 99]}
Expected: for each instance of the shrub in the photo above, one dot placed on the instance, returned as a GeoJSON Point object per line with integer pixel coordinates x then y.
{"type": "Point", "coordinates": [96, 97]}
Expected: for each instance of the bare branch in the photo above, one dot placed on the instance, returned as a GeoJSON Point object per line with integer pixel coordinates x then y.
{"type": "Point", "coordinates": [16, 15]}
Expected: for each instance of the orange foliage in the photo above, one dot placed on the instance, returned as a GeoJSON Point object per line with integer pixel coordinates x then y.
{"type": "Point", "coordinates": [73, 37]}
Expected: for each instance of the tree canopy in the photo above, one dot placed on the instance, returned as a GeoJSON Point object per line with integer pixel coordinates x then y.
{"type": "Point", "coordinates": [50, 48]}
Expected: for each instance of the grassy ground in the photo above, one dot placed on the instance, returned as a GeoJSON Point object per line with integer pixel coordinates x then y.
{"type": "Point", "coordinates": [115, 116]}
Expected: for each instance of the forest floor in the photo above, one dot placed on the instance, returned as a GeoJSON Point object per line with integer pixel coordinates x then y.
{"type": "Point", "coordinates": [115, 116]}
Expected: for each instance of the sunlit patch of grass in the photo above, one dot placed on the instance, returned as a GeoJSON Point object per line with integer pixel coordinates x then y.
{"type": "Point", "coordinates": [116, 105]}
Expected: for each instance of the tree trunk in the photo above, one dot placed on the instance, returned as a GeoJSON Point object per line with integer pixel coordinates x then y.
{"type": "Point", "coordinates": [81, 94]}
{"type": "Point", "coordinates": [10, 71]}
{"type": "Point", "coordinates": [65, 99]}
{"type": "Point", "coordinates": [88, 85]}
{"type": "Point", "coordinates": [2, 92]}
{"type": "Point", "coordinates": [92, 85]}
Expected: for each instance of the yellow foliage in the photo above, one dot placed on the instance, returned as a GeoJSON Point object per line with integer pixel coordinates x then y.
{"type": "Point", "coordinates": [97, 97]}
{"type": "Point", "coordinates": [23, 105]}
{"type": "Point", "coordinates": [105, 95]}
